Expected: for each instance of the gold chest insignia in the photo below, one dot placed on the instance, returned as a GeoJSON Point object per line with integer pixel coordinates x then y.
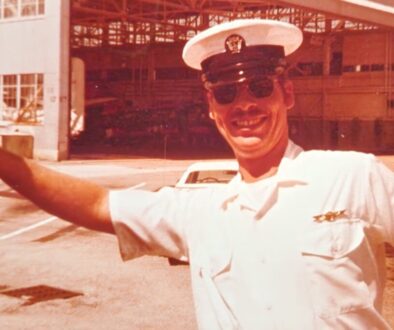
{"type": "Point", "coordinates": [329, 216]}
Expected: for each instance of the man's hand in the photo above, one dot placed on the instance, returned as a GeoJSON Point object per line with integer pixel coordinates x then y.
{"type": "Point", "coordinates": [79, 201]}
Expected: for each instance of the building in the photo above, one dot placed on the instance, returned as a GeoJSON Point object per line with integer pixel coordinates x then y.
{"type": "Point", "coordinates": [119, 63]}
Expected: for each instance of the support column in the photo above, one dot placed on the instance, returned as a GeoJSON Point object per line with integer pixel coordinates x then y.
{"type": "Point", "coordinates": [51, 140]}
{"type": "Point", "coordinates": [327, 48]}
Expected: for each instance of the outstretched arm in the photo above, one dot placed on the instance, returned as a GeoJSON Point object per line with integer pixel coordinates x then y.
{"type": "Point", "coordinates": [79, 201]}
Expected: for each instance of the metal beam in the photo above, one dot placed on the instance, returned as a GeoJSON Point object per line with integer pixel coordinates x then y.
{"type": "Point", "coordinates": [372, 12]}
{"type": "Point", "coordinates": [178, 19]}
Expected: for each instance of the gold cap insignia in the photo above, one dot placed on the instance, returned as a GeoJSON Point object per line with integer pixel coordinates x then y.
{"type": "Point", "coordinates": [329, 216]}
{"type": "Point", "coordinates": [234, 44]}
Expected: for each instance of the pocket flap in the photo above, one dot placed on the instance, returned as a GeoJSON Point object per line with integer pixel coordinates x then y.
{"type": "Point", "coordinates": [214, 261]}
{"type": "Point", "coordinates": [333, 240]}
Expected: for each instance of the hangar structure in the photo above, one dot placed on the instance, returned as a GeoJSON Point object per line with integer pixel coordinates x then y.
{"type": "Point", "coordinates": [110, 71]}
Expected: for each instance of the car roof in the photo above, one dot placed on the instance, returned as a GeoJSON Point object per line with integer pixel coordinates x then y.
{"type": "Point", "coordinates": [214, 165]}
{"type": "Point", "coordinates": [201, 166]}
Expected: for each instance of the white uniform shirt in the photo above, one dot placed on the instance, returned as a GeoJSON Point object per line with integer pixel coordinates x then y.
{"type": "Point", "coordinates": [300, 250]}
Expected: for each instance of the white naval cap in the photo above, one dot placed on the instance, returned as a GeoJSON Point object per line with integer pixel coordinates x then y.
{"type": "Point", "coordinates": [240, 44]}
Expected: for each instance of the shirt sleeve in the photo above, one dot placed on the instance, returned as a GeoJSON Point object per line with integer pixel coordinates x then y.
{"type": "Point", "coordinates": [380, 198]}
{"type": "Point", "coordinates": [150, 223]}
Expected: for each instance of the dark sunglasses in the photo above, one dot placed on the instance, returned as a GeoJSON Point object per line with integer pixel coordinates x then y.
{"type": "Point", "coordinates": [258, 87]}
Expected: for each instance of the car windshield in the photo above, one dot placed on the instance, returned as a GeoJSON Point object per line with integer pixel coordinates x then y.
{"type": "Point", "coordinates": [211, 176]}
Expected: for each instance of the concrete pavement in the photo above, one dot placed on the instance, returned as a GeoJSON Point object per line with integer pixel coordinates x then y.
{"type": "Point", "coordinates": [58, 275]}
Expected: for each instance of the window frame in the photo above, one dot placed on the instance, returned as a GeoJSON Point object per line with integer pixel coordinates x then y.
{"type": "Point", "coordinates": [18, 6]}
{"type": "Point", "coordinates": [34, 95]}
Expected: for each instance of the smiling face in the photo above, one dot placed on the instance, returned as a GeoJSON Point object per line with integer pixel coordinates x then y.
{"type": "Point", "coordinates": [255, 128]}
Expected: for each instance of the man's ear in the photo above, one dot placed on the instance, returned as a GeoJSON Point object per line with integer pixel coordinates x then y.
{"type": "Point", "coordinates": [209, 97]}
{"type": "Point", "coordinates": [288, 94]}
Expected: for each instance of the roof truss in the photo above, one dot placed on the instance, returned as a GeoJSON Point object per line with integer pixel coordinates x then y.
{"type": "Point", "coordinates": [118, 22]}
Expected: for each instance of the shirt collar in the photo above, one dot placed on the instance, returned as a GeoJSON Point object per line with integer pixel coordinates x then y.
{"type": "Point", "coordinates": [285, 176]}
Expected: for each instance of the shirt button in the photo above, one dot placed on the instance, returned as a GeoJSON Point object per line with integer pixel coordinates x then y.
{"type": "Point", "coordinates": [262, 260]}
{"type": "Point", "coordinates": [334, 250]}
{"type": "Point", "coordinates": [268, 307]}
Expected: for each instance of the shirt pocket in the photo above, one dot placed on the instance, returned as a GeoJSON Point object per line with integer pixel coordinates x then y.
{"type": "Point", "coordinates": [332, 239]}
{"type": "Point", "coordinates": [332, 254]}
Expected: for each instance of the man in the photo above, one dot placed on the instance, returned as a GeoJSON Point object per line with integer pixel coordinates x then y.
{"type": "Point", "coordinates": [295, 241]}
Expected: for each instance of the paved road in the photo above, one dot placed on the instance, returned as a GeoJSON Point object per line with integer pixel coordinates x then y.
{"type": "Point", "coordinates": [17, 213]}
{"type": "Point", "coordinates": [44, 260]}
{"type": "Point", "coordinates": [54, 275]}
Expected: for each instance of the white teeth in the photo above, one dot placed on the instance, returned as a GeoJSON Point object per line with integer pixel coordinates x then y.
{"type": "Point", "coordinates": [247, 123]}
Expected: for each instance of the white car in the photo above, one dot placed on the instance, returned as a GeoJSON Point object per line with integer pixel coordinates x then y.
{"type": "Point", "coordinates": [205, 173]}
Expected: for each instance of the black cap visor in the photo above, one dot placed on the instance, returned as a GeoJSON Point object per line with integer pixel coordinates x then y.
{"type": "Point", "coordinates": [250, 62]}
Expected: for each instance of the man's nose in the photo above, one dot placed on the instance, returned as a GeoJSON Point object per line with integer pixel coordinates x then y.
{"type": "Point", "coordinates": [244, 100]}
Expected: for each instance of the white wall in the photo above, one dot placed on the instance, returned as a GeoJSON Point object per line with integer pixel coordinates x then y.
{"type": "Point", "coordinates": [41, 45]}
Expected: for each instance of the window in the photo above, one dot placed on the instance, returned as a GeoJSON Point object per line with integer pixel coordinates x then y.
{"type": "Point", "coordinates": [307, 69]}
{"type": "Point", "coordinates": [211, 176]}
{"type": "Point", "coordinates": [22, 98]}
{"type": "Point", "coordinates": [93, 75]}
{"type": "Point", "coordinates": [336, 64]}
{"type": "Point", "coordinates": [9, 97]}
{"type": "Point", "coordinates": [377, 67]}
{"type": "Point", "coordinates": [21, 8]}
{"type": "Point", "coordinates": [119, 74]}
{"type": "Point", "coordinates": [363, 67]}
{"type": "Point", "coordinates": [349, 68]}
{"type": "Point", "coordinates": [32, 7]}
{"type": "Point", "coordinates": [10, 8]}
